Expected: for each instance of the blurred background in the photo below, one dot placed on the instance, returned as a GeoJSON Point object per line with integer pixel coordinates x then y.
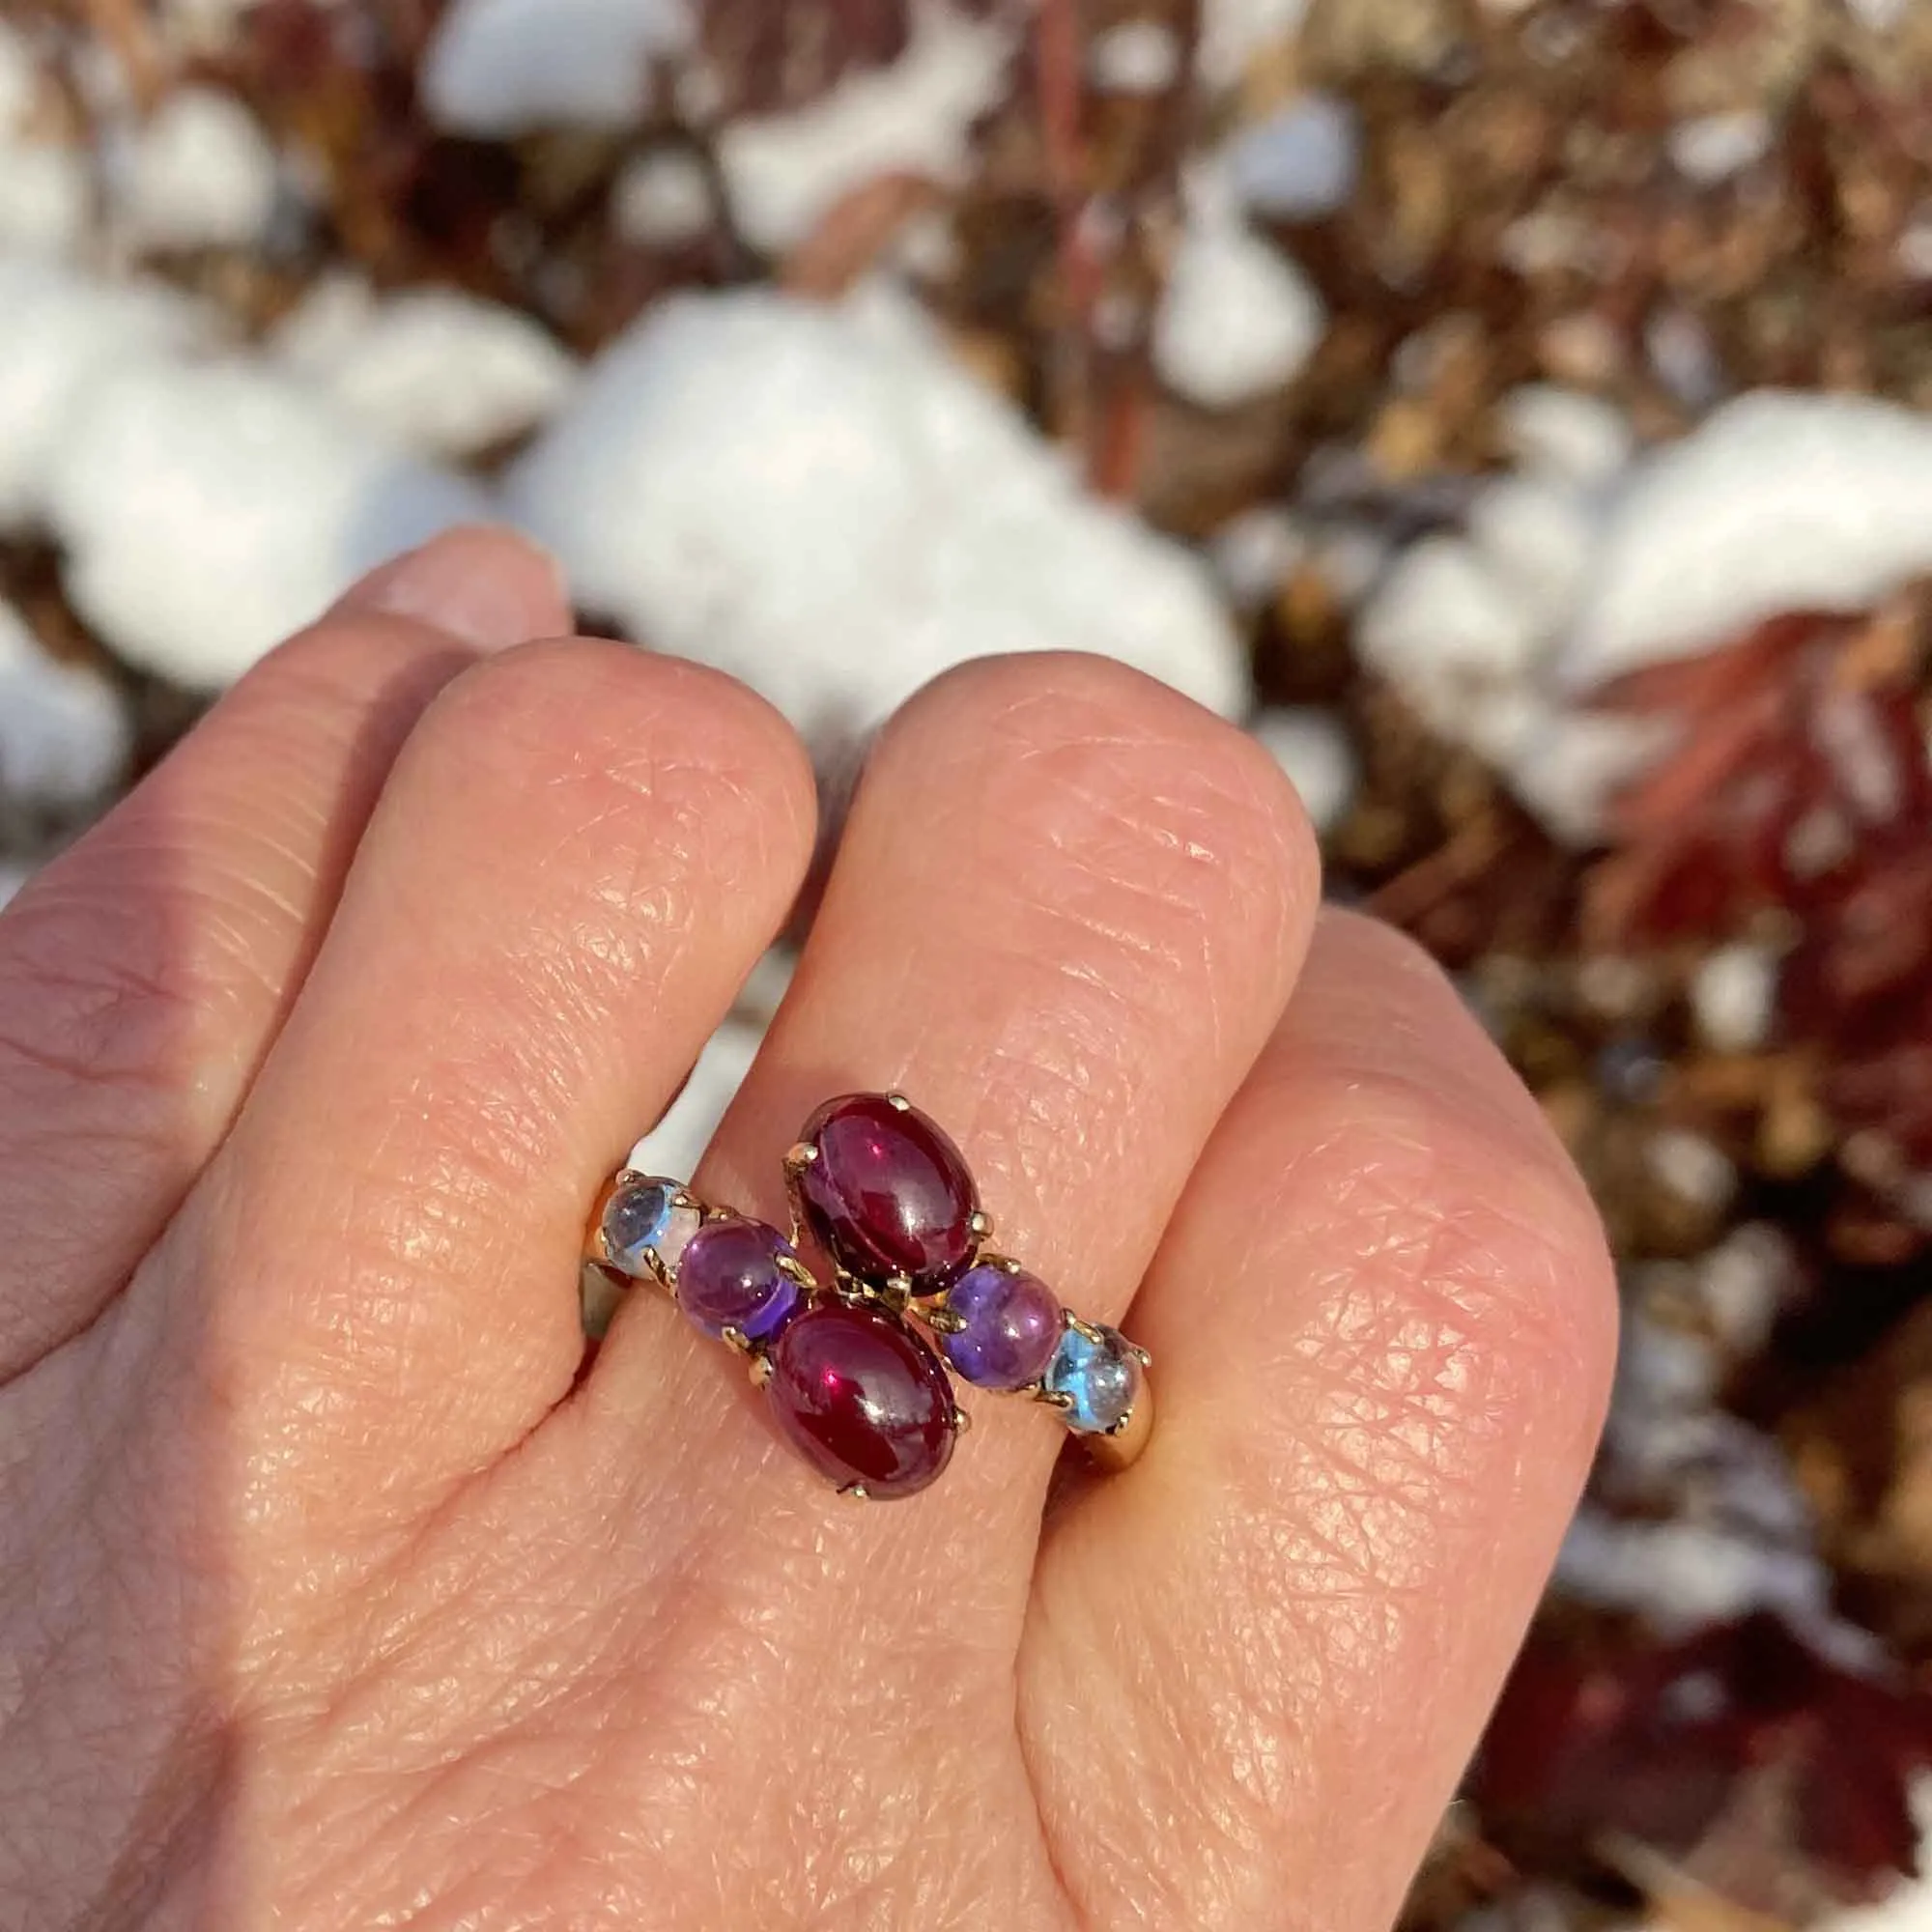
{"type": "Point", "coordinates": [1512, 411]}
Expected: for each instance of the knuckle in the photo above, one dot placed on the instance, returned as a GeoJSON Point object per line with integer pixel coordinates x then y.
{"type": "Point", "coordinates": [1114, 801]}
{"type": "Point", "coordinates": [594, 734]}
{"type": "Point", "coordinates": [1182, 761]}
{"type": "Point", "coordinates": [91, 990]}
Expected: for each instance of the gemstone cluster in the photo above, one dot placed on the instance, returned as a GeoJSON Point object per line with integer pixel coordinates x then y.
{"type": "Point", "coordinates": [855, 1370]}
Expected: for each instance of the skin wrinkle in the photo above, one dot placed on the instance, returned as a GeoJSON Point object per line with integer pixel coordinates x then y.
{"type": "Point", "coordinates": [257, 841]}
{"type": "Point", "coordinates": [190, 1004]}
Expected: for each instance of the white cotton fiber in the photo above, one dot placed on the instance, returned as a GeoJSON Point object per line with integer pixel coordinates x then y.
{"type": "Point", "coordinates": [822, 501]}
{"type": "Point", "coordinates": [208, 510]}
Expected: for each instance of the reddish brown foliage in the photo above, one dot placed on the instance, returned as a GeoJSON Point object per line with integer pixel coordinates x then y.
{"type": "Point", "coordinates": [1671, 1748]}
{"type": "Point", "coordinates": [1802, 785]}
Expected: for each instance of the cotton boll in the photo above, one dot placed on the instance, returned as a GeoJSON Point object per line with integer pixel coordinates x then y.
{"type": "Point", "coordinates": [440, 371]}
{"type": "Point", "coordinates": [1684, 357]}
{"type": "Point", "coordinates": [496, 68]}
{"type": "Point", "coordinates": [1734, 997]}
{"type": "Point", "coordinates": [926, 248]}
{"type": "Point", "coordinates": [662, 199]}
{"type": "Point", "coordinates": [1744, 1284]}
{"type": "Point", "coordinates": [200, 174]}
{"type": "Point", "coordinates": [1462, 630]}
{"type": "Point", "coordinates": [20, 80]}
{"type": "Point", "coordinates": [47, 199]}
{"type": "Point", "coordinates": [1693, 1167]}
{"type": "Point", "coordinates": [64, 733]}
{"type": "Point", "coordinates": [1351, 559]}
{"type": "Point", "coordinates": [1566, 433]}
{"type": "Point", "coordinates": [1567, 767]}
{"type": "Point", "coordinates": [785, 172]}
{"type": "Point", "coordinates": [1238, 320]}
{"type": "Point", "coordinates": [59, 332]}
{"type": "Point", "coordinates": [1444, 627]}
{"type": "Point", "coordinates": [1540, 538]}
{"type": "Point", "coordinates": [1236, 34]}
{"type": "Point", "coordinates": [327, 326]}
{"type": "Point", "coordinates": [1312, 747]}
{"type": "Point", "coordinates": [821, 501]}
{"type": "Point", "coordinates": [209, 511]}
{"type": "Point", "coordinates": [1301, 162]}
{"type": "Point", "coordinates": [1711, 148]}
{"type": "Point", "coordinates": [1253, 552]}
{"type": "Point", "coordinates": [1662, 1368]}
{"type": "Point", "coordinates": [1780, 501]}
{"type": "Point", "coordinates": [1684, 1576]}
{"type": "Point", "coordinates": [1134, 57]}
{"type": "Point", "coordinates": [46, 194]}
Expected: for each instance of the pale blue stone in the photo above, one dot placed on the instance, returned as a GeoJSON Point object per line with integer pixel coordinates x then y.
{"type": "Point", "coordinates": [1098, 1374]}
{"type": "Point", "coordinates": [644, 1219]}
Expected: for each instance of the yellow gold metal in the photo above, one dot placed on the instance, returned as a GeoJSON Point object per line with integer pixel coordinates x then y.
{"type": "Point", "coordinates": [981, 1223]}
{"type": "Point", "coordinates": [599, 1291]}
{"type": "Point", "coordinates": [595, 1247]}
{"type": "Point", "coordinates": [761, 1370]}
{"type": "Point", "coordinates": [1122, 1444]}
{"type": "Point", "coordinates": [735, 1338]}
{"type": "Point", "coordinates": [898, 1102]}
{"type": "Point", "coordinates": [800, 1156]}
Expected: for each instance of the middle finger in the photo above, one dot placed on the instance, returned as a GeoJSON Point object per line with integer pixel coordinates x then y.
{"type": "Point", "coordinates": [1066, 912]}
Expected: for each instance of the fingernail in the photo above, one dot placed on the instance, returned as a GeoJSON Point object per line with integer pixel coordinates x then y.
{"type": "Point", "coordinates": [488, 587]}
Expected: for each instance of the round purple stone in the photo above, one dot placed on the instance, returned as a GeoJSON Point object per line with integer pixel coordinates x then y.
{"type": "Point", "coordinates": [1012, 1326]}
{"type": "Point", "coordinates": [730, 1277]}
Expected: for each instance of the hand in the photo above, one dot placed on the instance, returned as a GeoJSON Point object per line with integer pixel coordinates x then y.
{"type": "Point", "coordinates": [331, 1595]}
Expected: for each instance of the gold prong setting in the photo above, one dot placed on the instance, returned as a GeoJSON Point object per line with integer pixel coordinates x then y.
{"type": "Point", "coordinates": [641, 1225]}
{"type": "Point", "coordinates": [910, 1288]}
{"type": "Point", "coordinates": [1097, 1379]}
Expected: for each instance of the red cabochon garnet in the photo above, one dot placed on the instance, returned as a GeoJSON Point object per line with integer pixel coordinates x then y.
{"type": "Point", "coordinates": [862, 1398]}
{"type": "Point", "coordinates": [887, 1194]}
